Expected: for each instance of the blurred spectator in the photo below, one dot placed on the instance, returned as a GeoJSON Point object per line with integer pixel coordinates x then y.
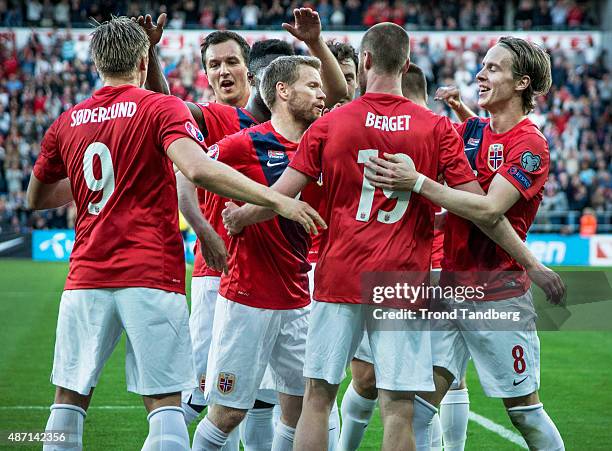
{"type": "Point", "coordinates": [250, 14]}
{"type": "Point", "coordinates": [51, 73]}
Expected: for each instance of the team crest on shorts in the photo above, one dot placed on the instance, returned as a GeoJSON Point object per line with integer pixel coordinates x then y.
{"type": "Point", "coordinates": [226, 383]}
{"type": "Point", "coordinates": [495, 157]}
{"type": "Point", "coordinates": [202, 383]}
{"type": "Point", "coordinates": [193, 131]}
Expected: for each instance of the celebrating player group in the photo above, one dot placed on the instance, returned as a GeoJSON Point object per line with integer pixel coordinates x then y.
{"type": "Point", "coordinates": [333, 161]}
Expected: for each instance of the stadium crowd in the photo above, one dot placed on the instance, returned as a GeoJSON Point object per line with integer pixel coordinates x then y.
{"type": "Point", "coordinates": [40, 81]}
{"type": "Point", "coordinates": [455, 15]}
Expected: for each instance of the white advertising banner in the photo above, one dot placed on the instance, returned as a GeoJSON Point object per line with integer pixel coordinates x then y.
{"type": "Point", "coordinates": [188, 41]}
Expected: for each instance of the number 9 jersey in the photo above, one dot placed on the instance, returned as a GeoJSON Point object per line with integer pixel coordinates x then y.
{"type": "Point", "coordinates": [372, 230]}
{"type": "Point", "coordinates": [112, 148]}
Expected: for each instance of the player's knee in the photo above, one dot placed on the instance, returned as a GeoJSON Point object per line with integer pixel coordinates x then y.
{"type": "Point", "coordinates": [226, 418]}
{"type": "Point", "coordinates": [395, 403]}
{"type": "Point", "coordinates": [291, 408]}
{"type": "Point", "coordinates": [527, 400]}
{"type": "Point", "coordinates": [66, 396]}
{"type": "Point", "coordinates": [320, 394]}
{"type": "Point", "coordinates": [364, 379]}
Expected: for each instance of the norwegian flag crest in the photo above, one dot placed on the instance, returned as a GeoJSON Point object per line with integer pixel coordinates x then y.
{"type": "Point", "coordinates": [226, 382]}
{"type": "Point", "coordinates": [495, 157]}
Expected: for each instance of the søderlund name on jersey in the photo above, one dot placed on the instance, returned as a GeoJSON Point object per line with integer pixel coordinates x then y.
{"type": "Point", "coordinates": [388, 123]}
{"type": "Point", "coordinates": [101, 114]}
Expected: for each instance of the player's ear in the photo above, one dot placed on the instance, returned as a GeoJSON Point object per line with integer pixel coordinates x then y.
{"type": "Point", "coordinates": [406, 66]}
{"type": "Point", "coordinates": [522, 83]}
{"type": "Point", "coordinates": [282, 90]}
{"type": "Point", "coordinates": [251, 78]}
{"type": "Point", "coordinates": [367, 60]}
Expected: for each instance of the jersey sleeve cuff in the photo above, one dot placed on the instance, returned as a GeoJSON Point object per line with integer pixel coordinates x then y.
{"type": "Point", "coordinates": [521, 181]}
{"type": "Point", "coordinates": [170, 138]}
{"type": "Point", "coordinates": [304, 170]}
{"type": "Point", "coordinates": [460, 181]}
{"type": "Point", "coordinates": [45, 177]}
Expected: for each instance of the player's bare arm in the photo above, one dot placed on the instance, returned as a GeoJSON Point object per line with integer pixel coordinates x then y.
{"type": "Point", "coordinates": [452, 97]}
{"type": "Point", "coordinates": [155, 79]}
{"type": "Point", "coordinates": [227, 182]}
{"type": "Point", "coordinates": [212, 245]}
{"type": "Point", "coordinates": [235, 218]}
{"type": "Point", "coordinates": [42, 196]}
{"type": "Point", "coordinates": [486, 211]}
{"type": "Point", "coordinates": [307, 28]}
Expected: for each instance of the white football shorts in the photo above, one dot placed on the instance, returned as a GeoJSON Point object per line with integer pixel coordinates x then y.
{"type": "Point", "coordinates": [401, 357]}
{"type": "Point", "coordinates": [507, 361]}
{"type": "Point", "coordinates": [159, 357]}
{"type": "Point", "coordinates": [246, 342]}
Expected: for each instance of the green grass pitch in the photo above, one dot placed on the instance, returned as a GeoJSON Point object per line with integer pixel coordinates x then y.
{"type": "Point", "coordinates": [576, 369]}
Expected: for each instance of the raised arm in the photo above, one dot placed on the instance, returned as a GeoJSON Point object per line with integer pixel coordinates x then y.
{"type": "Point", "coordinates": [155, 77]}
{"type": "Point", "coordinates": [307, 28]}
{"type": "Point", "coordinates": [452, 97]}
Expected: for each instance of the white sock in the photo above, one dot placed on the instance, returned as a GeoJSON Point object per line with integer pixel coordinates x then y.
{"type": "Point", "coordinates": [334, 428]}
{"type": "Point", "coordinates": [436, 434]}
{"type": "Point", "coordinates": [536, 427]}
{"type": "Point", "coordinates": [283, 437]}
{"type": "Point", "coordinates": [454, 413]}
{"type": "Point", "coordinates": [422, 418]}
{"type": "Point", "coordinates": [67, 419]}
{"type": "Point", "coordinates": [356, 414]}
{"type": "Point", "coordinates": [190, 413]}
{"type": "Point", "coordinates": [167, 430]}
{"type": "Point", "coordinates": [257, 430]}
{"type": "Point", "coordinates": [208, 437]}
{"type": "Point", "coordinates": [276, 414]}
{"type": "Point", "coordinates": [233, 441]}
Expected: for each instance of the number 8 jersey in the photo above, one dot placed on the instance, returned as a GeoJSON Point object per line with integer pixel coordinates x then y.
{"type": "Point", "coordinates": [112, 148]}
{"type": "Point", "coordinates": [371, 230]}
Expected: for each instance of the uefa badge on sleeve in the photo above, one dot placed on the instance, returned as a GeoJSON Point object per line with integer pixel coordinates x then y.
{"type": "Point", "coordinates": [194, 131]}
{"type": "Point", "coordinates": [226, 383]}
{"type": "Point", "coordinates": [495, 156]}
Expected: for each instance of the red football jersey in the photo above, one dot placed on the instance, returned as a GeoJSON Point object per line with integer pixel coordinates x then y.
{"type": "Point", "coordinates": [221, 120]}
{"type": "Point", "coordinates": [370, 230]}
{"type": "Point", "coordinates": [112, 147]}
{"type": "Point", "coordinates": [268, 266]}
{"type": "Point", "coordinates": [521, 156]}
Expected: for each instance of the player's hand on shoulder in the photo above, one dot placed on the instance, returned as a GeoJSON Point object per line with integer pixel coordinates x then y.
{"type": "Point", "coordinates": [231, 219]}
{"type": "Point", "coordinates": [550, 282]}
{"type": "Point", "coordinates": [392, 172]}
{"type": "Point", "coordinates": [154, 30]}
{"type": "Point", "coordinates": [213, 250]}
{"type": "Point", "coordinates": [301, 212]}
{"type": "Point", "coordinates": [450, 95]}
{"type": "Point", "coordinates": [307, 26]}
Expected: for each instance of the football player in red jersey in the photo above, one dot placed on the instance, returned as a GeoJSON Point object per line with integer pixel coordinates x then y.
{"type": "Point", "coordinates": [511, 159]}
{"type": "Point", "coordinates": [113, 154]}
{"type": "Point", "coordinates": [371, 231]}
{"type": "Point", "coordinates": [232, 68]}
{"type": "Point", "coordinates": [261, 317]}
{"type": "Point", "coordinates": [360, 398]}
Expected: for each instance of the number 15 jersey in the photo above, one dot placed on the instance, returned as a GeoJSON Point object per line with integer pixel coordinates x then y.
{"type": "Point", "coordinates": [112, 148]}
{"type": "Point", "coordinates": [371, 230]}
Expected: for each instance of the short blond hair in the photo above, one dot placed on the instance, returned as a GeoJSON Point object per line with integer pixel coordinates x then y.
{"type": "Point", "coordinates": [117, 46]}
{"type": "Point", "coordinates": [285, 69]}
